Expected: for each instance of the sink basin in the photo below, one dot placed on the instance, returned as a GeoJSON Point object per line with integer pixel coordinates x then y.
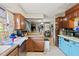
{"type": "Point", "coordinates": [3, 48]}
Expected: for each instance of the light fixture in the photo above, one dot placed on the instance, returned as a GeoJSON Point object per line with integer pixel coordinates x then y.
{"type": "Point", "coordinates": [42, 23]}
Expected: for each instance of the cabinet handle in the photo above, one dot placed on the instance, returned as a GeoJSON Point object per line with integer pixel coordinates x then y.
{"type": "Point", "coordinates": [74, 43]}
{"type": "Point", "coordinates": [66, 40]}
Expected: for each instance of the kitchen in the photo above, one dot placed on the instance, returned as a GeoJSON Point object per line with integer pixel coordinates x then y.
{"type": "Point", "coordinates": [26, 29]}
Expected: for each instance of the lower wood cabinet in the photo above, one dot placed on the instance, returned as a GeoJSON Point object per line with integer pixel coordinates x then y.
{"type": "Point", "coordinates": [15, 52]}
{"type": "Point", "coordinates": [35, 44]}
{"type": "Point", "coordinates": [22, 48]}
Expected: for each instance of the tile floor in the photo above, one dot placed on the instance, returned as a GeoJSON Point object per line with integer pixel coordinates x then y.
{"type": "Point", "coordinates": [54, 51]}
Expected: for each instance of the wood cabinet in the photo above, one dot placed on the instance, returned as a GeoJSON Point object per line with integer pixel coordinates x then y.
{"type": "Point", "coordinates": [22, 48]}
{"type": "Point", "coordinates": [59, 25]}
{"type": "Point", "coordinates": [38, 44]}
{"type": "Point", "coordinates": [71, 23]}
{"type": "Point", "coordinates": [29, 45]}
{"type": "Point", "coordinates": [34, 44]}
{"type": "Point", "coordinates": [65, 22]}
{"type": "Point", "coordinates": [19, 21]}
{"type": "Point", "coordinates": [14, 52]}
{"type": "Point", "coordinates": [73, 11]}
{"type": "Point", "coordinates": [70, 14]}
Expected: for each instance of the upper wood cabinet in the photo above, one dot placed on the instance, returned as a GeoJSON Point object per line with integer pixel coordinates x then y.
{"type": "Point", "coordinates": [59, 22]}
{"type": "Point", "coordinates": [58, 25]}
{"type": "Point", "coordinates": [65, 22]}
{"type": "Point", "coordinates": [70, 14]}
{"type": "Point", "coordinates": [19, 21]}
{"type": "Point", "coordinates": [71, 23]}
{"type": "Point", "coordinates": [73, 12]}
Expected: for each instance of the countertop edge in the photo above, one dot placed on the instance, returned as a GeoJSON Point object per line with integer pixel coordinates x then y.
{"type": "Point", "coordinates": [9, 50]}
{"type": "Point", "coordinates": [70, 38]}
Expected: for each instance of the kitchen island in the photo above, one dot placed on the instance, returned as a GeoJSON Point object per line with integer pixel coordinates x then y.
{"type": "Point", "coordinates": [35, 42]}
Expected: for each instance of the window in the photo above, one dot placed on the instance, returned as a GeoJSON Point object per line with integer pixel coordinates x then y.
{"type": "Point", "coordinates": [2, 13]}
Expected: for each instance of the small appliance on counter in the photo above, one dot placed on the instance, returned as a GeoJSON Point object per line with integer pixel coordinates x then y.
{"type": "Point", "coordinates": [68, 32]}
{"type": "Point", "coordinates": [76, 31]}
{"type": "Point", "coordinates": [47, 33]}
{"type": "Point", "coordinates": [71, 32]}
{"type": "Point", "coordinates": [19, 33]}
{"type": "Point", "coordinates": [12, 36]}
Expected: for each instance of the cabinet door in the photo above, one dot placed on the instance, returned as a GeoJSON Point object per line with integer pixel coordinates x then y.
{"type": "Point", "coordinates": [29, 45]}
{"type": "Point", "coordinates": [65, 23]}
{"type": "Point", "coordinates": [38, 45]}
{"type": "Point", "coordinates": [71, 23]}
{"type": "Point", "coordinates": [61, 43]}
{"type": "Point", "coordinates": [67, 48]}
{"type": "Point", "coordinates": [17, 21]}
{"type": "Point", "coordinates": [22, 22]}
{"type": "Point", "coordinates": [64, 46]}
{"type": "Point", "coordinates": [74, 50]}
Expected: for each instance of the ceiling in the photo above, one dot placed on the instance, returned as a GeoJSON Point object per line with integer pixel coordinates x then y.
{"type": "Point", "coordinates": [48, 9]}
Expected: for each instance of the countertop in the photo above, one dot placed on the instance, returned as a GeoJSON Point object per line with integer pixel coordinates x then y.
{"type": "Point", "coordinates": [34, 34]}
{"type": "Point", "coordinates": [17, 41]}
{"type": "Point", "coordinates": [6, 49]}
{"type": "Point", "coordinates": [70, 38]}
{"type": "Point", "coordinates": [20, 40]}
